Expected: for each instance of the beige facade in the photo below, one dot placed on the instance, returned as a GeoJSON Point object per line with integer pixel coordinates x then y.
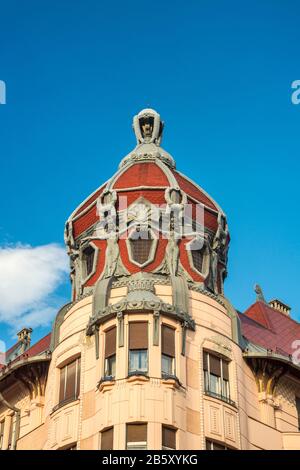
{"type": "Point", "coordinates": [249, 421]}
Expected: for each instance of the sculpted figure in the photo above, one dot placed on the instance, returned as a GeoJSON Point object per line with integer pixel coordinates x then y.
{"type": "Point", "coordinates": [218, 249]}
{"type": "Point", "coordinates": [172, 250]}
{"type": "Point", "coordinates": [112, 253]}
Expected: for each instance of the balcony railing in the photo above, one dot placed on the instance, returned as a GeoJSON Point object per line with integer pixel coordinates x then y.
{"type": "Point", "coordinates": [219, 396]}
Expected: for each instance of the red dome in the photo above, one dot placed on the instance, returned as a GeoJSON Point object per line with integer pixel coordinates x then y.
{"type": "Point", "coordinates": [146, 179]}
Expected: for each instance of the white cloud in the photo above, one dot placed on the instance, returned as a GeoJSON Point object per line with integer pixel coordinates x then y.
{"type": "Point", "coordinates": [29, 277]}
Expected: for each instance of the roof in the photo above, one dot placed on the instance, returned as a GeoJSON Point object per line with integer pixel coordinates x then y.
{"type": "Point", "coordinates": [38, 348]}
{"type": "Point", "coordinates": [269, 328]}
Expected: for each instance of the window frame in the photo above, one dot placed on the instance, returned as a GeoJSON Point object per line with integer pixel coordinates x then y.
{"type": "Point", "coordinates": [223, 384]}
{"type": "Point", "coordinates": [139, 349]}
{"type": "Point", "coordinates": [212, 443]}
{"type": "Point", "coordinates": [110, 361]}
{"type": "Point", "coordinates": [138, 371]}
{"type": "Point", "coordinates": [171, 429]}
{"type": "Point", "coordinates": [85, 275]}
{"type": "Point", "coordinates": [173, 372]}
{"type": "Point", "coordinates": [110, 428]}
{"type": "Point", "coordinates": [64, 368]}
{"type": "Point", "coordinates": [205, 262]}
{"type": "Point", "coordinates": [110, 364]}
{"type": "Point", "coordinates": [152, 251]}
{"type": "Point", "coordinates": [137, 445]}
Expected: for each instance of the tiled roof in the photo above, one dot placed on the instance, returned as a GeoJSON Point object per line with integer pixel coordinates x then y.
{"type": "Point", "coordinates": [269, 328]}
{"type": "Point", "coordinates": [38, 348]}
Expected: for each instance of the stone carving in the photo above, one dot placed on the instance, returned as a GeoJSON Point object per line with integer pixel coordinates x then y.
{"type": "Point", "coordinates": [138, 305]}
{"type": "Point", "coordinates": [148, 127]}
{"type": "Point", "coordinates": [259, 294]}
{"type": "Point", "coordinates": [218, 251]}
{"type": "Point", "coordinates": [112, 254]}
{"type": "Point", "coordinates": [172, 254]}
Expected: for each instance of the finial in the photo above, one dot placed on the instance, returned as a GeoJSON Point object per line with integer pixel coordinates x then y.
{"type": "Point", "coordinates": [259, 294]}
{"type": "Point", "coordinates": [148, 127]}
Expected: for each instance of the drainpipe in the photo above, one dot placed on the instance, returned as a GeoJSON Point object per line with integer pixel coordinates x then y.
{"type": "Point", "coordinates": [18, 419]}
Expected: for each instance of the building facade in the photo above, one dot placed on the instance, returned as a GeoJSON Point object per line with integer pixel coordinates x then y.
{"type": "Point", "coordinates": [149, 353]}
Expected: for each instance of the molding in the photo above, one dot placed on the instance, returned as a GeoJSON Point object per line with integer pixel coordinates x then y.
{"type": "Point", "coordinates": [147, 306]}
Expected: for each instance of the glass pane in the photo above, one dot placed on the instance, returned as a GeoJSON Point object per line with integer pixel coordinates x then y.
{"type": "Point", "coordinates": [110, 366]}
{"type": "Point", "coordinates": [206, 380]}
{"type": "Point", "coordinates": [225, 391]}
{"type": "Point", "coordinates": [138, 361]}
{"type": "Point", "coordinates": [167, 365]}
{"type": "Point", "coordinates": [71, 380]}
{"type": "Point", "coordinates": [62, 384]}
{"type": "Point", "coordinates": [214, 385]}
{"type": "Point", "coordinates": [137, 446]}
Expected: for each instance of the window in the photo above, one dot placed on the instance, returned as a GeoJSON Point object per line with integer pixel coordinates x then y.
{"type": "Point", "coordinates": [69, 381]}
{"type": "Point", "coordinates": [136, 436]}
{"type": "Point", "coordinates": [1, 434]}
{"type": "Point", "coordinates": [216, 376]}
{"type": "Point", "coordinates": [212, 445]}
{"type": "Point", "coordinates": [138, 348]}
{"type": "Point", "coordinates": [198, 256]}
{"type": "Point", "coordinates": [168, 438]}
{"type": "Point", "coordinates": [110, 352]}
{"type": "Point", "coordinates": [107, 439]}
{"type": "Point", "coordinates": [140, 243]}
{"type": "Point", "coordinates": [88, 258]}
{"type": "Point", "coordinates": [168, 351]}
{"type": "Point", "coordinates": [298, 411]}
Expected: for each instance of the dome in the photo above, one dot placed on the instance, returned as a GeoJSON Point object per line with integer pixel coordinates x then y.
{"type": "Point", "coordinates": [148, 217]}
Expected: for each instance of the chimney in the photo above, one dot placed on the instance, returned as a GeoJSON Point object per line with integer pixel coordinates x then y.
{"type": "Point", "coordinates": [280, 307]}
{"type": "Point", "coordinates": [24, 337]}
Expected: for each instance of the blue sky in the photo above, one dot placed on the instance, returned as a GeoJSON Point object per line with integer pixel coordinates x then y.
{"type": "Point", "coordinates": [220, 75]}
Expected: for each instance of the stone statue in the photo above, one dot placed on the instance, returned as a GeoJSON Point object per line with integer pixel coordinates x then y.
{"type": "Point", "coordinates": [259, 293]}
{"type": "Point", "coordinates": [218, 250]}
{"type": "Point", "coordinates": [148, 127]}
{"type": "Point", "coordinates": [112, 252]}
{"type": "Point", "coordinates": [172, 253]}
